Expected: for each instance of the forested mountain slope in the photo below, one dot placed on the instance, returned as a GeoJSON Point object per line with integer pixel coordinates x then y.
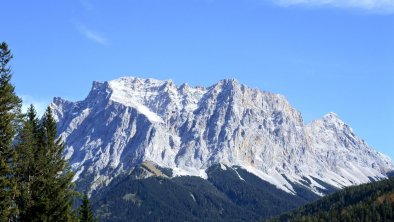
{"type": "Point", "coordinates": [368, 202]}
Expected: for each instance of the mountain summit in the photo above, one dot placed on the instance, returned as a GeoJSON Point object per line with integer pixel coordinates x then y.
{"type": "Point", "coordinates": [128, 121]}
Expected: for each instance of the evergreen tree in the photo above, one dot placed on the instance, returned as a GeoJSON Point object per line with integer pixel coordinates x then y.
{"type": "Point", "coordinates": [26, 167]}
{"type": "Point", "coordinates": [53, 193]}
{"type": "Point", "coordinates": [85, 211]}
{"type": "Point", "coordinates": [9, 111]}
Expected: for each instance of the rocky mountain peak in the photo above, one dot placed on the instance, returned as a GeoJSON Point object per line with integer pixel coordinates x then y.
{"type": "Point", "coordinates": [332, 118]}
{"type": "Point", "coordinates": [125, 122]}
{"type": "Point", "coordinates": [331, 122]}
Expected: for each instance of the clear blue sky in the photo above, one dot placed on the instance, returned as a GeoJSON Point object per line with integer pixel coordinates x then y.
{"type": "Point", "coordinates": [323, 55]}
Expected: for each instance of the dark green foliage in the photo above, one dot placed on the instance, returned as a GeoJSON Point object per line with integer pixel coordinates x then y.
{"type": "Point", "coordinates": [255, 195]}
{"type": "Point", "coordinates": [159, 199]}
{"type": "Point", "coordinates": [27, 170]}
{"type": "Point", "coordinates": [368, 202]}
{"type": "Point", "coordinates": [224, 197]}
{"type": "Point", "coordinates": [35, 180]}
{"type": "Point", "coordinates": [85, 213]}
{"type": "Point", "coordinates": [53, 187]}
{"type": "Point", "coordinates": [43, 176]}
{"type": "Point", "coordinates": [9, 111]}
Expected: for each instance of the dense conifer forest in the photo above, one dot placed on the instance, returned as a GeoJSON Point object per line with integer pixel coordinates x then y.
{"type": "Point", "coordinates": [35, 179]}
{"type": "Point", "coordinates": [368, 202]}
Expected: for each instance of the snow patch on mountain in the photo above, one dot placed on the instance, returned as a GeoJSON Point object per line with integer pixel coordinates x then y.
{"type": "Point", "coordinates": [239, 176]}
{"type": "Point", "coordinates": [124, 93]}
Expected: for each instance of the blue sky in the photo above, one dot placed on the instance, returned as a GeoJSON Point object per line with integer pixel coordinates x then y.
{"type": "Point", "coordinates": [323, 55]}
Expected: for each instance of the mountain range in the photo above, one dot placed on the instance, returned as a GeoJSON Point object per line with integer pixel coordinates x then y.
{"type": "Point", "coordinates": [135, 129]}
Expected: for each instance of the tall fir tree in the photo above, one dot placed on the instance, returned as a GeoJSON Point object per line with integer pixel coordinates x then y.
{"type": "Point", "coordinates": [26, 167]}
{"type": "Point", "coordinates": [85, 213]}
{"type": "Point", "coordinates": [53, 192]}
{"type": "Point", "coordinates": [10, 106]}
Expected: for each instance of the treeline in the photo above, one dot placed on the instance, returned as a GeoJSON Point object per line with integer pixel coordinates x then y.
{"type": "Point", "coordinates": [368, 202]}
{"type": "Point", "coordinates": [35, 179]}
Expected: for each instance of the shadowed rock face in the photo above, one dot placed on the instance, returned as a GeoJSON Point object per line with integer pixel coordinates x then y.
{"type": "Point", "coordinates": [127, 121]}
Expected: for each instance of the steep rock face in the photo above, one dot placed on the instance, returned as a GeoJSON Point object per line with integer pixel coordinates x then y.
{"type": "Point", "coordinates": [338, 149]}
{"type": "Point", "coordinates": [127, 121]}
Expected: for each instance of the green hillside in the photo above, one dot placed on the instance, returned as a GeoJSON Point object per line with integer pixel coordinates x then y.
{"type": "Point", "coordinates": [227, 195]}
{"type": "Point", "coordinates": [368, 202]}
